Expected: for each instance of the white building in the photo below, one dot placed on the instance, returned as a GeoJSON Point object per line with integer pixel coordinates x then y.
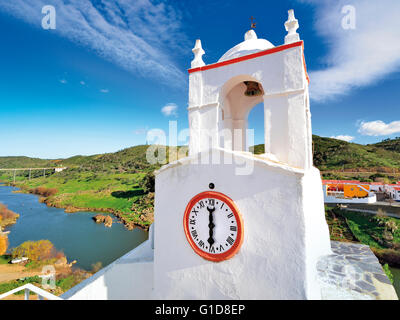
{"type": "Point", "coordinates": [229, 224]}
{"type": "Point", "coordinates": [224, 227]}
{"type": "Point", "coordinates": [394, 191]}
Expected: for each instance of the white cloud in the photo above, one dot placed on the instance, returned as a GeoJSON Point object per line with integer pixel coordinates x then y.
{"type": "Point", "coordinates": [171, 109]}
{"type": "Point", "coordinates": [379, 128]}
{"type": "Point", "coordinates": [63, 81]}
{"type": "Point", "coordinates": [356, 57]}
{"type": "Point", "coordinates": [344, 138]}
{"type": "Point", "coordinates": [82, 83]}
{"type": "Point", "coordinates": [104, 90]}
{"type": "Point", "coordinates": [140, 36]}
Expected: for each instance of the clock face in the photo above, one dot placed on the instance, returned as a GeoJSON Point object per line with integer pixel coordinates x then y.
{"type": "Point", "coordinates": [213, 226]}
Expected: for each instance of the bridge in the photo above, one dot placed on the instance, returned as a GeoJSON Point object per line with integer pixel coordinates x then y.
{"type": "Point", "coordinates": [56, 169]}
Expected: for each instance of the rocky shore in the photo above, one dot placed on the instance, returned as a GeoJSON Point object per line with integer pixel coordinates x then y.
{"type": "Point", "coordinates": [143, 205]}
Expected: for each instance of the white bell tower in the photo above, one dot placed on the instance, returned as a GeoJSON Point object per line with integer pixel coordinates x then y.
{"type": "Point", "coordinates": [279, 198]}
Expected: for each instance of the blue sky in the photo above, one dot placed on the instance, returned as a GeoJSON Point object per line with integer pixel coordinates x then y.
{"type": "Point", "coordinates": [110, 68]}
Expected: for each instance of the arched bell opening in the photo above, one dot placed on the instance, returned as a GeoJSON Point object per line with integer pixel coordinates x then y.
{"type": "Point", "coordinates": [238, 97]}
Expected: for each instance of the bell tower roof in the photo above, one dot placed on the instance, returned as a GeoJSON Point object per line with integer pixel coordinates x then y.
{"type": "Point", "coordinates": [251, 44]}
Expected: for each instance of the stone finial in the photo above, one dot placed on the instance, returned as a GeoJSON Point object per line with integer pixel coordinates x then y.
{"type": "Point", "coordinates": [291, 25]}
{"type": "Point", "coordinates": [198, 53]}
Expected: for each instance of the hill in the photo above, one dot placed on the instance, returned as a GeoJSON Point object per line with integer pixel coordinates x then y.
{"type": "Point", "coordinates": [127, 160]}
{"type": "Point", "coordinates": [25, 162]}
{"type": "Point", "coordinates": [389, 144]}
{"type": "Point", "coordinates": [329, 155]}
{"type": "Point", "coordinates": [337, 155]}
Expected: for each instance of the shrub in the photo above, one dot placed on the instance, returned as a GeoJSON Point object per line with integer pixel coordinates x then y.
{"type": "Point", "coordinates": [37, 250]}
{"type": "Point", "coordinates": [45, 192]}
{"type": "Point", "coordinates": [148, 183]}
{"type": "Point", "coordinates": [6, 213]}
{"type": "Point", "coordinates": [69, 279]}
{"type": "Point", "coordinates": [7, 286]}
{"type": "Point", "coordinates": [96, 266]}
{"type": "Point", "coordinates": [3, 244]}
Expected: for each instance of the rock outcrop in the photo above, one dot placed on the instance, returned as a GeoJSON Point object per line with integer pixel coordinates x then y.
{"type": "Point", "coordinates": [107, 220]}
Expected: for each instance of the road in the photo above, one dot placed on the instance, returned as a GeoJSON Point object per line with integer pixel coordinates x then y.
{"type": "Point", "coordinates": [10, 272]}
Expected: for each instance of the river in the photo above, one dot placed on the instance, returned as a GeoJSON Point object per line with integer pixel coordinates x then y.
{"type": "Point", "coordinates": [76, 234]}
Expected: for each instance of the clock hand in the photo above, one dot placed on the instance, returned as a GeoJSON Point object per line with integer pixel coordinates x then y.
{"type": "Point", "coordinates": [211, 225]}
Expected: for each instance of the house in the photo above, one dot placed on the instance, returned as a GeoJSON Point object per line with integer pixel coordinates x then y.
{"type": "Point", "coordinates": [348, 191]}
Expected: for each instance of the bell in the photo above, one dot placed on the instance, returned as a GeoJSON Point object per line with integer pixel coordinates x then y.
{"type": "Point", "coordinates": [253, 89]}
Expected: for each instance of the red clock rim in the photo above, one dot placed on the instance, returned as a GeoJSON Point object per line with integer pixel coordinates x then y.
{"type": "Point", "coordinates": [239, 239]}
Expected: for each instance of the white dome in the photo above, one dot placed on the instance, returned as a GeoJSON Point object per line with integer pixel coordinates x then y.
{"type": "Point", "coordinates": [251, 44]}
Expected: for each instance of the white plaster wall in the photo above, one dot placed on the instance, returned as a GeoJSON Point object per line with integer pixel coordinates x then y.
{"type": "Point", "coordinates": [331, 199]}
{"type": "Point", "coordinates": [276, 127]}
{"type": "Point", "coordinates": [316, 228]}
{"type": "Point", "coordinates": [298, 150]}
{"type": "Point", "coordinates": [276, 253]}
{"type": "Point", "coordinates": [282, 76]}
{"type": "Point", "coordinates": [128, 278]}
{"type": "Point", "coordinates": [278, 72]}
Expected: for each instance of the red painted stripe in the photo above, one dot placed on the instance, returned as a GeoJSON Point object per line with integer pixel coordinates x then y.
{"type": "Point", "coordinates": [250, 56]}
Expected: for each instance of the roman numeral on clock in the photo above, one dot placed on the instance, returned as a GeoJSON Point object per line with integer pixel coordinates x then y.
{"type": "Point", "coordinates": [201, 244]}
{"type": "Point", "coordinates": [230, 240]}
{"type": "Point", "coordinates": [194, 234]}
{"type": "Point", "coordinates": [230, 215]}
{"type": "Point", "coordinates": [192, 221]}
{"type": "Point", "coordinates": [233, 228]}
{"type": "Point", "coordinates": [212, 250]}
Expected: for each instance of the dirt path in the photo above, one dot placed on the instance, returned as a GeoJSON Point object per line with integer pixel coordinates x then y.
{"type": "Point", "coordinates": [21, 297]}
{"type": "Point", "coordinates": [10, 272]}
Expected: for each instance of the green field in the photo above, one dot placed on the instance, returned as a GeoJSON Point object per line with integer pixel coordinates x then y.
{"type": "Point", "coordinates": [113, 192]}
{"type": "Point", "coordinates": [380, 232]}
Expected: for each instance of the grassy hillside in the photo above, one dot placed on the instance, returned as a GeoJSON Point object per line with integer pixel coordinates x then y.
{"type": "Point", "coordinates": [119, 182]}
{"type": "Point", "coordinates": [128, 160]}
{"type": "Point", "coordinates": [333, 154]}
{"type": "Point", "coordinates": [329, 154]}
{"type": "Point", "coordinates": [25, 162]}
{"type": "Point", "coordinates": [390, 144]}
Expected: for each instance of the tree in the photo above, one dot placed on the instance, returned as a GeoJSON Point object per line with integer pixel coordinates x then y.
{"type": "Point", "coordinates": [148, 183]}
{"type": "Point", "coordinates": [3, 244]}
{"type": "Point", "coordinates": [36, 250]}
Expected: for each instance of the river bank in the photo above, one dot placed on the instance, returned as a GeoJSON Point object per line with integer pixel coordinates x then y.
{"type": "Point", "coordinates": [74, 191]}
{"type": "Point", "coordinates": [75, 234]}
{"type": "Point", "coordinates": [143, 222]}
{"type": "Point", "coordinates": [7, 217]}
